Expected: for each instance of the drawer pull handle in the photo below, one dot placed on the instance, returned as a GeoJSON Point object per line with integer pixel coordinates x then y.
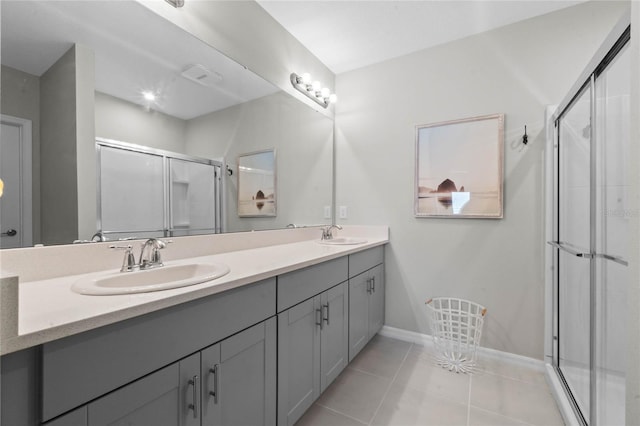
{"type": "Point", "coordinates": [326, 316]}
{"type": "Point", "coordinates": [319, 318]}
{"type": "Point", "coordinates": [373, 284]}
{"type": "Point", "coordinates": [214, 393]}
{"type": "Point", "coordinates": [194, 382]}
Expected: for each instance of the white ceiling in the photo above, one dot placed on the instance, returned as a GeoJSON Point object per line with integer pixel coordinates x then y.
{"type": "Point", "coordinates": [347, 35]}
{"type": "Point", "coordinates": [135, 51]}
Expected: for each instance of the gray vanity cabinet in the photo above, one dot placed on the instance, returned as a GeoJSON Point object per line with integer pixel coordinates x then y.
{"type": "Point", "coordinates": [298, 360]}
{"type": "Point", "coordinates": [366, 301]}
{"type": "Point", "coordinates": [334, 333]}
{"type": "Point", "coordinates": [239, 378]}
{"type": "Point", "coordinates": [312, 342]}
{"type": "Point", "coordinates": [230, 383]}
{"type": "Point", "coordinates": [163, 398]}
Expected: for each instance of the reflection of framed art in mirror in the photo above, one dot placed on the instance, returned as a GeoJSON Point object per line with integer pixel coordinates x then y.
{"type": "Point", "coordinates": [257, 184]}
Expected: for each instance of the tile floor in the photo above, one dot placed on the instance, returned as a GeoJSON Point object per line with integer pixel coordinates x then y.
{"type": "Point", "coordinates": [392, 382]}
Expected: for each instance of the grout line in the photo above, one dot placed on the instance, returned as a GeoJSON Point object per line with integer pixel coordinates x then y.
{"type": "Point", "coordinates": [469, 401]}
{"type": "Point", "coordinates": [386, 392]}
{"type": "Point", "coordinates": [341, 413]}
{"type": "Point", "coordinates": [514, 419]}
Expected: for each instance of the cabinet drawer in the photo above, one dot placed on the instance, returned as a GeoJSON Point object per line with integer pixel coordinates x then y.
{"type": "Point", "coordinates": [297, 286]}
{"type": "Point", "coordinates": [364, 260]}
{"type": "Point", "coordinates": [80, 368]}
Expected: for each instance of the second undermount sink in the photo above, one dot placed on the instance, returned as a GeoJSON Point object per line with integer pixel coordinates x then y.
{"type": "Point", "coordinates": [161, 278]}
{"type": "Point", "coordinates": [337, 241]}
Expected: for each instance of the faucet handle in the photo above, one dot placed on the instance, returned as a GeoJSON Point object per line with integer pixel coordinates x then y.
{"type": "Point", "coordinates": [129, 262]}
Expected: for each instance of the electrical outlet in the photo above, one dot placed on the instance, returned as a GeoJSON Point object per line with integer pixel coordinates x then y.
{"type": "Point", "coordinates": [327, 212]}
{"type": "Point", "coordinates": [343, 212]}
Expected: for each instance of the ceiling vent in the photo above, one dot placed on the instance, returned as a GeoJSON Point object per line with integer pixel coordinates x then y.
{"type": "Point", "coordinates": [202, 75]}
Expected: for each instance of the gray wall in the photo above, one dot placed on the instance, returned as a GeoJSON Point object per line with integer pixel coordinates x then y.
{"type": "Point", "coordinates": [85, 142]}
{"type": "Point", "coordinates": [20, 97]}
{"type": "Point", "coordinates": [59, 197]}
{"type": "Point", "coordinates": [67, 148]}
{"type": "Point", "coordinates": [127, 122]}
{"type": "Point", "coordinates": [516, 70]}
{"type": "Point", "coordinates": [302, 140]}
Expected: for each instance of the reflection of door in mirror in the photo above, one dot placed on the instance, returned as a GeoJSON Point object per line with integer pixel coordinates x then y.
{"type": "Point", "coordinates": [15, 172]}
{"type": "Point", "coordinates": [146, 192]}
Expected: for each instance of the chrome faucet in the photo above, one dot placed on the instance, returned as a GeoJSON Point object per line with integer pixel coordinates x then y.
{"type": "Point", "coordinates": [326, 232]}
{"type": "Point", "coordinates": [150, 254]}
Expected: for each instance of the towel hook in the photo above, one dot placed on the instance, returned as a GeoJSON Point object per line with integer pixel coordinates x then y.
{"type": "Point", "coordinates": [525, 138]}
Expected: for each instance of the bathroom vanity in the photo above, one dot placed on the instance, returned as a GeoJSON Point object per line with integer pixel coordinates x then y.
{"type": "Point", "coordinates": [256, 346]}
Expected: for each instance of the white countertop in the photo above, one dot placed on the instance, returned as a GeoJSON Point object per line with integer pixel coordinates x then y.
{"type": "Point", "coordinates": [49, 310]}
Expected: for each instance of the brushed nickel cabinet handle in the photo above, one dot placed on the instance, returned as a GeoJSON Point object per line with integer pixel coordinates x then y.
{"type": "Point", "coordinates": [214, 393]}
{"type": "Point", "coordinates": [326, 316]}
{"type": "Point", "coordinates": [194, 382]}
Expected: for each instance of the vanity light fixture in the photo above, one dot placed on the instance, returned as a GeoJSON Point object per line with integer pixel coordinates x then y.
{"type": "Point", "coordinates": [175, 3]}
{"type": "Point", "coordinates": [313, 90]}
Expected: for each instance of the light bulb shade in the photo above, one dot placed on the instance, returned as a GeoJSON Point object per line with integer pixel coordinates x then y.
{"type": "Point", "coordinates": [313, 91]}
{"type": "Point", "coordinates": [333, 98]}
{"type": "Point", "coordinates": [149, 96]}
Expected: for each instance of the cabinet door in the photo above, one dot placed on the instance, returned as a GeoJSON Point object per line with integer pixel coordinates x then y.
{"type": "Point", "coordinates": [334, 336]}
{"type": "Point", "coordinates": [152, 400]}
{"type": "Point", "coordinates": [359, 288]}
{"type": "Point", "coordinates": [190, 395]}
{"type": "Point", "coordinates": [239, 386]}
{"type": "Point", "coordinates": [376, 300]}
{"type": "Point", "coordinates": [298, 359]}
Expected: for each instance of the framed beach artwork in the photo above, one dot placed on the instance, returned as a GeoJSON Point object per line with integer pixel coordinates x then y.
{"type": "Point", "coordinates": [459, 168]}
{"type": "Point", "coordinates": [257, 184]}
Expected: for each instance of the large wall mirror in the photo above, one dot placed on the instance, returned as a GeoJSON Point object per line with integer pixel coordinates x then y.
{"type": "Point", "coordinates": [78, 74]}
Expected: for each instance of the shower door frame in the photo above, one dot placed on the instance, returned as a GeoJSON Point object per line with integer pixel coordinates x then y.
{"type": "Point", "coordinates": [615, 42]}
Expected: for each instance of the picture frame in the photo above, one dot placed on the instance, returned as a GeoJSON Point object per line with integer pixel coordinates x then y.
{"type": "Point", "coordinates": [257, 184]}
{"type": "Point", "coordinates": [459, 168]}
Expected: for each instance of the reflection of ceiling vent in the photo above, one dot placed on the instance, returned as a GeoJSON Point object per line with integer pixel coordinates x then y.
{"type": "Point", "coordinates": [202, 75]}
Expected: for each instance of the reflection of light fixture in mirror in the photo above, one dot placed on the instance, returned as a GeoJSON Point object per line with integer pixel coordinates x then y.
{"type": "Point", "coordinates": [175, 3]}
{"type": "Point", "coordinates": [149, 96]}
{"type": "Point", "coordinates": [1, 187]}
{"type": "Point", "coordinates": [322, 96]}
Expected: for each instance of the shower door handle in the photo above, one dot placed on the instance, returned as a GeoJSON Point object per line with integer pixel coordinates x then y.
{"type": "Point", "coordinates": [567, 248]}
{"type": "Point", "coordinates": [616, 259]}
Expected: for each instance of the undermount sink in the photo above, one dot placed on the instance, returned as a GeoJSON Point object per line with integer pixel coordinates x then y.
{"type": "Point", "coordinates": [161, 278]}
{"type": "Point", "coordinates": [343, 241]}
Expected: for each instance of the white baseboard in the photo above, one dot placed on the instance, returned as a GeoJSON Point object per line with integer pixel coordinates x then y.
{"type": "Point", "coordinates": [427, 340]}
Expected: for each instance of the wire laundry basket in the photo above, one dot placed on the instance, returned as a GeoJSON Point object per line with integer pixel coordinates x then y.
{"type": "Point", "coordinates": [456, 327]}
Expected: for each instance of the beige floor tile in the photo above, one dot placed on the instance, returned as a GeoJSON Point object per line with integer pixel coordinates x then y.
{"type": "Point", "coordinates": [420, 372]}
{"type": "Point", "coordinates": [478, 417]}
{"type": "Point", "coordinates": [528, 402]}
{"type": "Point", "coordinates": [322, 416]}
{"type": "Point", "coordinates": [356, 394]}
{"type": "Point", "coordinates": [382, 356]}
{"type": "Point", "coordinates": [518, 372]}
{"type": "Point", "coordinates": [404, 406]}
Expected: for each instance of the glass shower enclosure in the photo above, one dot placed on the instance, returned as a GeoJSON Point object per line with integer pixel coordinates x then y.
{"type": "Point", "coordinates": [145, 192]}
{"type": "Point", "coordinates": [590, 229]}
